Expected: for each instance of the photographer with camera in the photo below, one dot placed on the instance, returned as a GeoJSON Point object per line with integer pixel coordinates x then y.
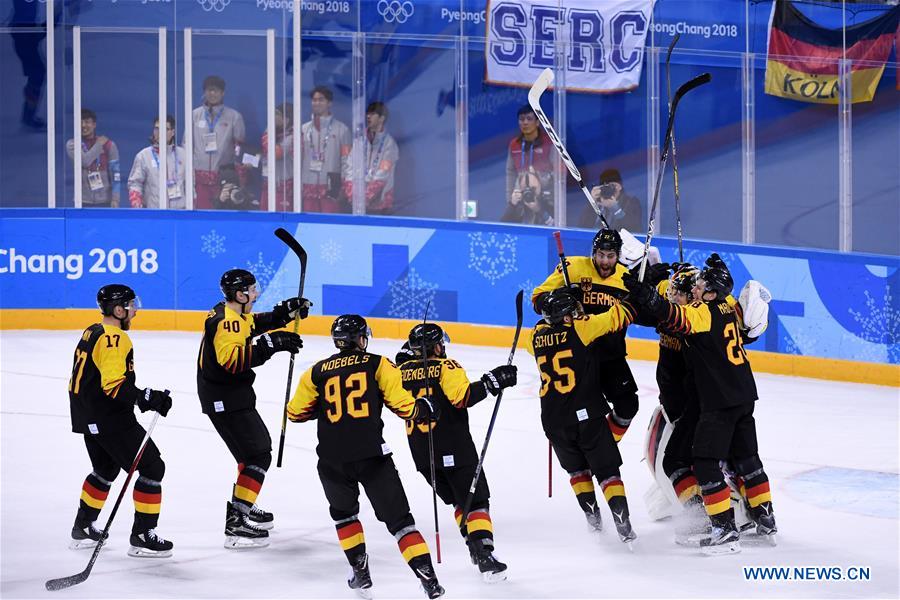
{"type": "Point", "coordinates": [232, 195]}
{"type": "Point", "coordinates": [530, 203]}
{"type": "Point", "coordinates": [618, 208]}
{"type": "Point", "coordinates": [528, 153]}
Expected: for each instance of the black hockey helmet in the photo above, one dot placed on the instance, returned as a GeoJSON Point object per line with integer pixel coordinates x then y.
{"type": "Point", "coordinates": [347, 329]}
{"type": "Point", "coordinates": [608, 239]}
{"type": "Point", "coordinates": [113, 295]}
{"type": "Point", "coordinates": [718, 280]}
{"type": "Point", "coordinates": [559, 303]}
{"type": "Point", "coordinates": [236, 280]}
{"type": "Point", "coordinates": [683, 280]}
{"type": "Point", "coordinates": [429, 334]}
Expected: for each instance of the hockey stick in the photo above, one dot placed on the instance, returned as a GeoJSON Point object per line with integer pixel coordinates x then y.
{"type": "Point", "coordinates": [471, 495]}
{"type": "Point", "coordinates": [297, 249]}
{"type": "Point", "coordinates": [62, 583]}
{"type": "Point", "coordinates": [674, 154]}
{"type": "Point", "coordinates": [437, 530]}
{"type": "Point", "coordinates": [631, 247]}
{"type": "Point", "coordinates": [696, 82]}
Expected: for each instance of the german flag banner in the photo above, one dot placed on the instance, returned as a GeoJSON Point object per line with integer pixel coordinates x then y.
{"type": "Point", "coordinates": [803, 57]}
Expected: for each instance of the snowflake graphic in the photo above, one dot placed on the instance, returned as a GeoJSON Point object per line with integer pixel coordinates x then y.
{"type": "Point", "coordinates": [410, 295]}
{"type": "Point", "coordinates": [330, 252]}
{"type": "Point", "coordinates": [880, 324]}
{"type": "Point", "coordinates": [528, 286]}
{"type": "Point", "coordinates": [800, 343]}
{"type": "Point", "coordinates": [264, 271]}
{"type": "Point", "coordinates": [492, 256]}
{"type": "Point", "coordinates": [698, 258]}
{"type": "Point", "coordinates": [212, 244]}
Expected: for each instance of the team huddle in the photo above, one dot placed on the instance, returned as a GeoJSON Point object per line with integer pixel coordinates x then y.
{"type": "Point", "coordinates": [703, 435]}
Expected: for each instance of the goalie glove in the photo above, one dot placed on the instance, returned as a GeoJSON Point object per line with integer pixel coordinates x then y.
{"type": "Point", "coordinates": [754, 300]}
{"type": "Point", "coordinates": [633, 251]}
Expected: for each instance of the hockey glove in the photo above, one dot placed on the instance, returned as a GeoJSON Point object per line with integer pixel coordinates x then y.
{"type": "Point", "coordinates": [499, 378]}
{"type": "Point", "coordinates": [425, 411]}
{"type": "Point", "coordinates": [156, 400]}
{"type": "Point", "coordinates": [277, 341]}
{"type": "Point", "coordinates": [654, 273]}
{"type": "Point", "coordinates": [288, 310]}
{"type": "Point", "coordinates": [754, 300]}
{"type": "Point", "coordinates": [715, 261]}
{"type": "Point", "coordinates": [641, 293]}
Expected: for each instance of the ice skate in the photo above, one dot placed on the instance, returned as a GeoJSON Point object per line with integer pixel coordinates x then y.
{"type": "Point", "coordinates": [428, 579]}
{"type": "Point", "coordinates": [147, 544]}
{"type": "Point", "coordinates": [764, 519]}
{"type": "Point", "coordinates": [240, 532]}
{"type": "Point", "coordinates": [482, 555]}
{"type": "Point", "coordinates": [84, 537]}
{"type": "Point", "coordinates": [360, 579]}
{"type": "Point", "coordinates": [724, 538]}
{"type": "Point", "coordinates": [623, 527]}
{"type": "Point", "coordinates": [262, 519]}
{"type": "Point", "coordinates": [594, 520]}
{"type": "Point", "coordinates": [692, 524]}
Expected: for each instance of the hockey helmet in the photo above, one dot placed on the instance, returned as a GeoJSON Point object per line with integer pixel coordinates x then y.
{"type": "Point", "coordinates": [347, 329]}
{"type": "Point", "coordinates": [608, 239]}
{"type": "Point", "coordinates": [718, 280]}
{"type": "Point", "coordinates": [682, 281]}
{"type": "Point", "coordinates": [236, 280]}
{"type": "Point", "coordinates": [427, 334]}
{"type": "Point", "coordinates": [113, 295]}
{"type": "Point", "coordinates": [559, 303]}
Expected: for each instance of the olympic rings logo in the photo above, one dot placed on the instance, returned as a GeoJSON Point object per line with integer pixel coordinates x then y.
{"type": "Point", "coordinates": [214, 5]}
{"type": "Point", "coordinates": [395, 11]}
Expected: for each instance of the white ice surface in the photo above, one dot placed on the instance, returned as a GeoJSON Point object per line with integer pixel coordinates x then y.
{"type": "Point", "coordinates": [830, 449]}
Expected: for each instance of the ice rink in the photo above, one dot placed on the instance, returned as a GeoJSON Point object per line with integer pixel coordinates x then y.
{"type": "Point", "coordinates": [830, 450]}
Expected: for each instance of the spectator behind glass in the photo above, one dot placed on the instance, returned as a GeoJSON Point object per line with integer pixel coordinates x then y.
{"type": "Point", "coordinates": [620, 210]}
{"type": "Point", "coordinates": [143, 182]}
{"type": "Point", "coordinates": [100, 177]}
{"type": "Point", "coordinates": [382, 154]}
{"type": "Point", "coordinates": [529, 203]}
{"type": "Point", "coordinates": [284, 161]}
{"type": "Point", "coordinates": [529, 151]}
{"type": "Point", "coordinates": [325, 164]}
{"type": "Point", "coordinates": [218, 129]}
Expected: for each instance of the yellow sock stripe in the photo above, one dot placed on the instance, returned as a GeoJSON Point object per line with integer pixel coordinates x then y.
{"type": "Point", "coordinates": [91, 501]}
{"type": "Point", "coordinates": [353, 541]}
{"type": "Point", "coordinates": [688, 492]}
{"type": "Point", "coordinates": [143, 507]}
{"type": "Point", "coordinates": [473, 525]}
{"type": "Point", "coordinates": [414, 551]}
{"type": "Point", "coordinates": [583, 487]}
{"type": "Point", "coordinates": [616, 489]}
{"type": "Point", "coordinates": [718, 507]}
{"type": "Point", "coordinates": [245, 494]}
{"type": "Point", "coordinates": [757, 500]}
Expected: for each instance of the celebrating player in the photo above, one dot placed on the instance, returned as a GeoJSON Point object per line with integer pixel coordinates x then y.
{"type": "Point", "coordinates": [727, 393]}
{"type": "Point", "coordinates": [345, 393]}
{"type": "Point", "coordinates": [228, 354]}
{"type": "Point", "coordinates": [451, 394]}
{"type": "Point", "coordinates": [572, 414]}
{"type": "Point", "coordinates": [102, 395]}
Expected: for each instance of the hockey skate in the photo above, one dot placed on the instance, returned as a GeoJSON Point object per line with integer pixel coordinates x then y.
{"type": "Point", "coordinates": [724, 537]}
{"type": "Point", "coordinates": [764, 519]}
{"type": "Point", "coordinates": [147, 544]}
{"type": "Point", "coordinates": [594, 520]}
{"type": "Point", "coordinates": [623, 527]}
{"type": "Point", "coordinates": [428, 579]}
{"type": "Point", "coordinates": [482, 555]}
{"type": "Point", "coordinates": [240, 532]}
{"type": "Point", "coordinates": [360, 580]}
{"type": "Point", "coordinates": [262, 519]}
{"type": "Point", "coordinates": [84, 537]}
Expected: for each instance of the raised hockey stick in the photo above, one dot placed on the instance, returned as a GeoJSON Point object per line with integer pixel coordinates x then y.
{"type": "Point", "coordinates": [696, 82]}
{"type": "Point", "coordinates": [678, 228]}
{"type": "Point", "coordinates": [471, 495]}
{"type": "Point", "coordinates": [297, 249]}
{"type": "Point", "coordinates": [62, 583]}
{"type": "Point", "coordinates": [631, 247]}
{"type": "Point", "coordinates": [437, 530]}
{"type": "Point", "coordinates": [564, 265]}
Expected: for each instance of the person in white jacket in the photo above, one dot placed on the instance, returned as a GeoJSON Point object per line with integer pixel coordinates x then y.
{"type": "Point", "coordinates": [143, 182]}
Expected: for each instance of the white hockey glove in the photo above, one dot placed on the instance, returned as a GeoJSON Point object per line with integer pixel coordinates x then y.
{"type": "Point", "coordinates": [633, 250]}
{"type": "Point", "coordinates": [754, 301]}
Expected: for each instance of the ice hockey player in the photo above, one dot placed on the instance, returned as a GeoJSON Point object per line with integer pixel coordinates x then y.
{"type": "Point", "coordinates": [345, 393]}
{"type": "Point", "coordinates": [598, 279]}
{"type": "Point", "coordinates": [102, 396]}
{"type": "Point", "coordinates": [714, 349]}
{"type": "Point", "coordinates": [572, 413]}
{"type": "Point", "coordinates": [228, 354]}
{"type": "Point", "coordinates": [451, 393]}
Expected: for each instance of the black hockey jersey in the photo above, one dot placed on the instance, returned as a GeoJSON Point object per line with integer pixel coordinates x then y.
{"type": "Point", "coordinates": [102, 392]}
{"type": "Point", "coordinates": [346, 393]}
{"type": "Point", "coordinates": [561, 352]}
{"type": "Point", "coordinates": [450, 391]}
